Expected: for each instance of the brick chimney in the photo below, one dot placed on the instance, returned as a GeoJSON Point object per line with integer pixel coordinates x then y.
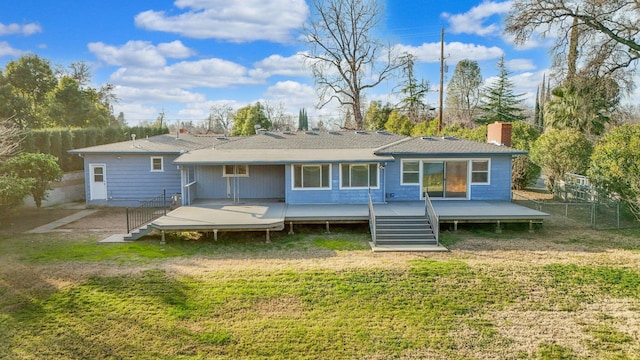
{"type": "Point", "coordinates": [499, 133]}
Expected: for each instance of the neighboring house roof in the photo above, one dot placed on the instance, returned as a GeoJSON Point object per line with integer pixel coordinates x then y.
{"type": "Point", "coordinates": [161, 144]}
{"type": "Point", "coordinates": [440, 146]}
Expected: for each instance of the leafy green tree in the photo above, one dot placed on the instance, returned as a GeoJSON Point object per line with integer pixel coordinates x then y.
{"type": "Point", "coordinates": [463, 91]}
{"type": "Point", "coordinates": [398, 123]}
{"type": "Point", "coordinates": [425, 128]}
{"type": "Point", "coordinates": [377, 115]}
{"type": "Point", "coordinates": [499, 102]}
{"type": "Point", "coordinates": [615, 165]}
{"type": "Point", "coordinates": [12, 193]}
{"type": "Point", "coordinates": [246, 119]}
{"type": "Point", "coordinates": [478, 133]}
{"type": "Point", "coordinates": [524, 172]}
{"type": "Point", "coordinates": [31, 78]}
{"type": "Point", "coordinates": [582, 103]}
{"type": "Point", "coordinates": [559, 152]}
{"type": "Point", "coordinates": [43, 169]}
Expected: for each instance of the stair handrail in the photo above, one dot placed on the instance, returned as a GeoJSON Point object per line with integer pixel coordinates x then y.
{"type": "Point", "coordinates": [372, 220]}
{"type": "Point", "coordinates": [430, 212]}
{"type": "Point", "coordinates": [147, 211]}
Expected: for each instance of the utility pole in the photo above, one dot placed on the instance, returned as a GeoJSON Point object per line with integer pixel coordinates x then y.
{"type": "Point", "coordinates": [441, 79]}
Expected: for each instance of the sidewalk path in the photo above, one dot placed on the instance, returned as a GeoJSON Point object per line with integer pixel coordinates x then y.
{"type": "Point", "coordinates": [52, 226]}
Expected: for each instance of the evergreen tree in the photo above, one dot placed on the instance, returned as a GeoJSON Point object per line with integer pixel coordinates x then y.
{"type": "Point", "coordinates": [499, 103]}
{"type": "Point", "coordinates": [303, 120]}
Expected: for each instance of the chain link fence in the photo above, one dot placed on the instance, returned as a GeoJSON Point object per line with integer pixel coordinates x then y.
{"type": "Point", "coordinates": [594, 213]}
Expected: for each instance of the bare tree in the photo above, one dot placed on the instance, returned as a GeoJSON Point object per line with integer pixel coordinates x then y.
{"type": "Point", "coordinates": [9, 139]}
{"type": "Point", "coordinates": [608, 32]}
{"type": "Point", "coordinates": [464, 91]}
{"type": "Point", "coordinates": [278, 116]}
{"type": "Point", "coordinates": [220, 118]}
{"type": "Point", "coordinates": [343, 53]}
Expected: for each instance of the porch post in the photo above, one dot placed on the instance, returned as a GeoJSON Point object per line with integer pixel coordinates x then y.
{"type": "Point", "coordinates": [268, 238]}
{"type": "Point", "coordinates": [163, 240]}
{"type": "Point", "coordinates": [291, 228]}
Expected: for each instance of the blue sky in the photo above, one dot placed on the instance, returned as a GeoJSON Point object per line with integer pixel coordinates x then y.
{"type": "Point", "coordinates": [185, 56]}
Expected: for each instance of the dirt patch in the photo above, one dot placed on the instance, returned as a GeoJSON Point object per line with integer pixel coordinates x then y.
{"type": "Point", "coordinates": [25, 219]}
{"type": "Point", "coordinates": [112, 220]}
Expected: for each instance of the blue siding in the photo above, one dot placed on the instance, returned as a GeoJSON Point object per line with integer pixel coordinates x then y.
{"type": "Point", "coordinates": [263, 182]}
{"type": "Point", "coordinates": [499, 188]}
{"type": "Point", "coordinates": [500, 184]}
{"type": "Point", "coordinates": [130, 180]}
{"type": "Point", "coordinates": [335, 195]}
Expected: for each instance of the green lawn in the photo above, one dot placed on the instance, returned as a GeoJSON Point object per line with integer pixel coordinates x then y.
{"type": "Point", "coordinates": [321, 296]}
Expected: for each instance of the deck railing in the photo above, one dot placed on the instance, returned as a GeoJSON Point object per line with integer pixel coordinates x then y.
{"type": "Point", "coordinates": [433, 217]}
{"type": "Point", "coordinates": [372, 220]}
{"type": "Point", "coordinates": [148, 211]}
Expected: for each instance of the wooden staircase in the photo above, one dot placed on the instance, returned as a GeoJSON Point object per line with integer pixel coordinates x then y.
{"type": "Point", "coordinates": [404, 230]}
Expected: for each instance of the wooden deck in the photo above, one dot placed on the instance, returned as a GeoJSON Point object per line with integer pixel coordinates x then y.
{"type": "Point", "coordinates": [257, 216]}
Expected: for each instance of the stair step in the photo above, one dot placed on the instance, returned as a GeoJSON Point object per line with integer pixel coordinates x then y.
{"type": "Point", "coordinates": [138, 233]}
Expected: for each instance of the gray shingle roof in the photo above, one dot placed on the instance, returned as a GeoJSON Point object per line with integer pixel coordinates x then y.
{"type": "Point", "coordinates": [431, 145]}
{"type": "Point", "coordinates": [314, 140]}
{"type": "Point", "coordinates": [161, 144]}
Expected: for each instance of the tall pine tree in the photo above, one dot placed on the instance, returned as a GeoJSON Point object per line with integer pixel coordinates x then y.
{"type": "Point", "coordinates": [499, 103]}
{"type": "Point", "coordinates": [303, 120]}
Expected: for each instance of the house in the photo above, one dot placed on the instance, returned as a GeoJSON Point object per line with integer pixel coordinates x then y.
{"type": "Point", "coordinates": [312, 176]}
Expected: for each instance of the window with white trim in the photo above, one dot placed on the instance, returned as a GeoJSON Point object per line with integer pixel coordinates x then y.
{"type": "Point", "coordinates": [410, 172]}
{"type": "Point", "coordinates": [312, 176]}
{"type": "Point", "coordinates": [359, 175]}
{"type": "Point", "coordinates": [479, 171]}
{"type": "Point", "coordinates": [157, 164]}
{"type": "Point", "coordinates": [235, 170]}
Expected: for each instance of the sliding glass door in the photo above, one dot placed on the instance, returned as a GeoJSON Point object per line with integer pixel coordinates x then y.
{"type": "Point", "coordinates": [445, 179]}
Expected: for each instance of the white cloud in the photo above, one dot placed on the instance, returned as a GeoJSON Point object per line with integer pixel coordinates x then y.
{"type": "Point", "coordinates": [473, 21]}
{"type": "Point", "coordinates": [520, 65]}
{"type": "Point", "coordinates": [293, 94]}
{"type": "Point", "coordinates": [139, 53]}
{"type": "Point", "coordinates": [454, 51]}
{"type": "Point", "coordinates": [211, 73]}
{"type": "Point", "coordinates": [26, 30]}
{"type": "Point", "coordinates": [235, 21]}
{"type": "Point", "coordinates": [8, 50]}
{"type": "Point", "coordinates": [280, 65]}
{"type": "Point", "coordinates": [156, 95]}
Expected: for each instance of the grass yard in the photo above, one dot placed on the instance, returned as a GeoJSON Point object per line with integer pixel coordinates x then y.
{"type": "Point", "coordinates": [561, 293]}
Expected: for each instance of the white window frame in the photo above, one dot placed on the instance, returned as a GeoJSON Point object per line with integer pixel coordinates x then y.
{"type": "Point", "coordinates": [236, 173]}
{"type": "Point", "coordinates": [368, 176]}
{"type": "Point", "coordinates": [153, 169]}
{"type": "Point", "coordinates": [488, 172]}
{"type": "Point", "coordinates": [419, 171]}
{"type": "Point", "coordinates": [302, 166]}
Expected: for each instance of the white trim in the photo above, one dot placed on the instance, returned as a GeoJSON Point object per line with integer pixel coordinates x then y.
{"type": "Point", "coordinates": [402, 172]}
{"type": "Point", "coordinates": [161, 164]}
{"type": "Point", "coordinates": [341, 187]}
{"type": "Point", "coordinates": [92, 186]}
{"type": "Point", "coordinates": [293, 177]}
{"type": "Point", "coordinates": [236, 174]}
{"type": "Point", "coordinates": [488, 182]}
{"type": "Point", "coordinates": [444, 160]}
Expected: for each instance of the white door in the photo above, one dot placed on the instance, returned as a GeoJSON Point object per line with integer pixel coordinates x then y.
{"type": "Point", "coordinates": [98, 181]}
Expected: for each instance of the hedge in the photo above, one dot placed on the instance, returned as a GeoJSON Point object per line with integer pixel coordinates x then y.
{"type": "Point", "coordinates": [57, 141]}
